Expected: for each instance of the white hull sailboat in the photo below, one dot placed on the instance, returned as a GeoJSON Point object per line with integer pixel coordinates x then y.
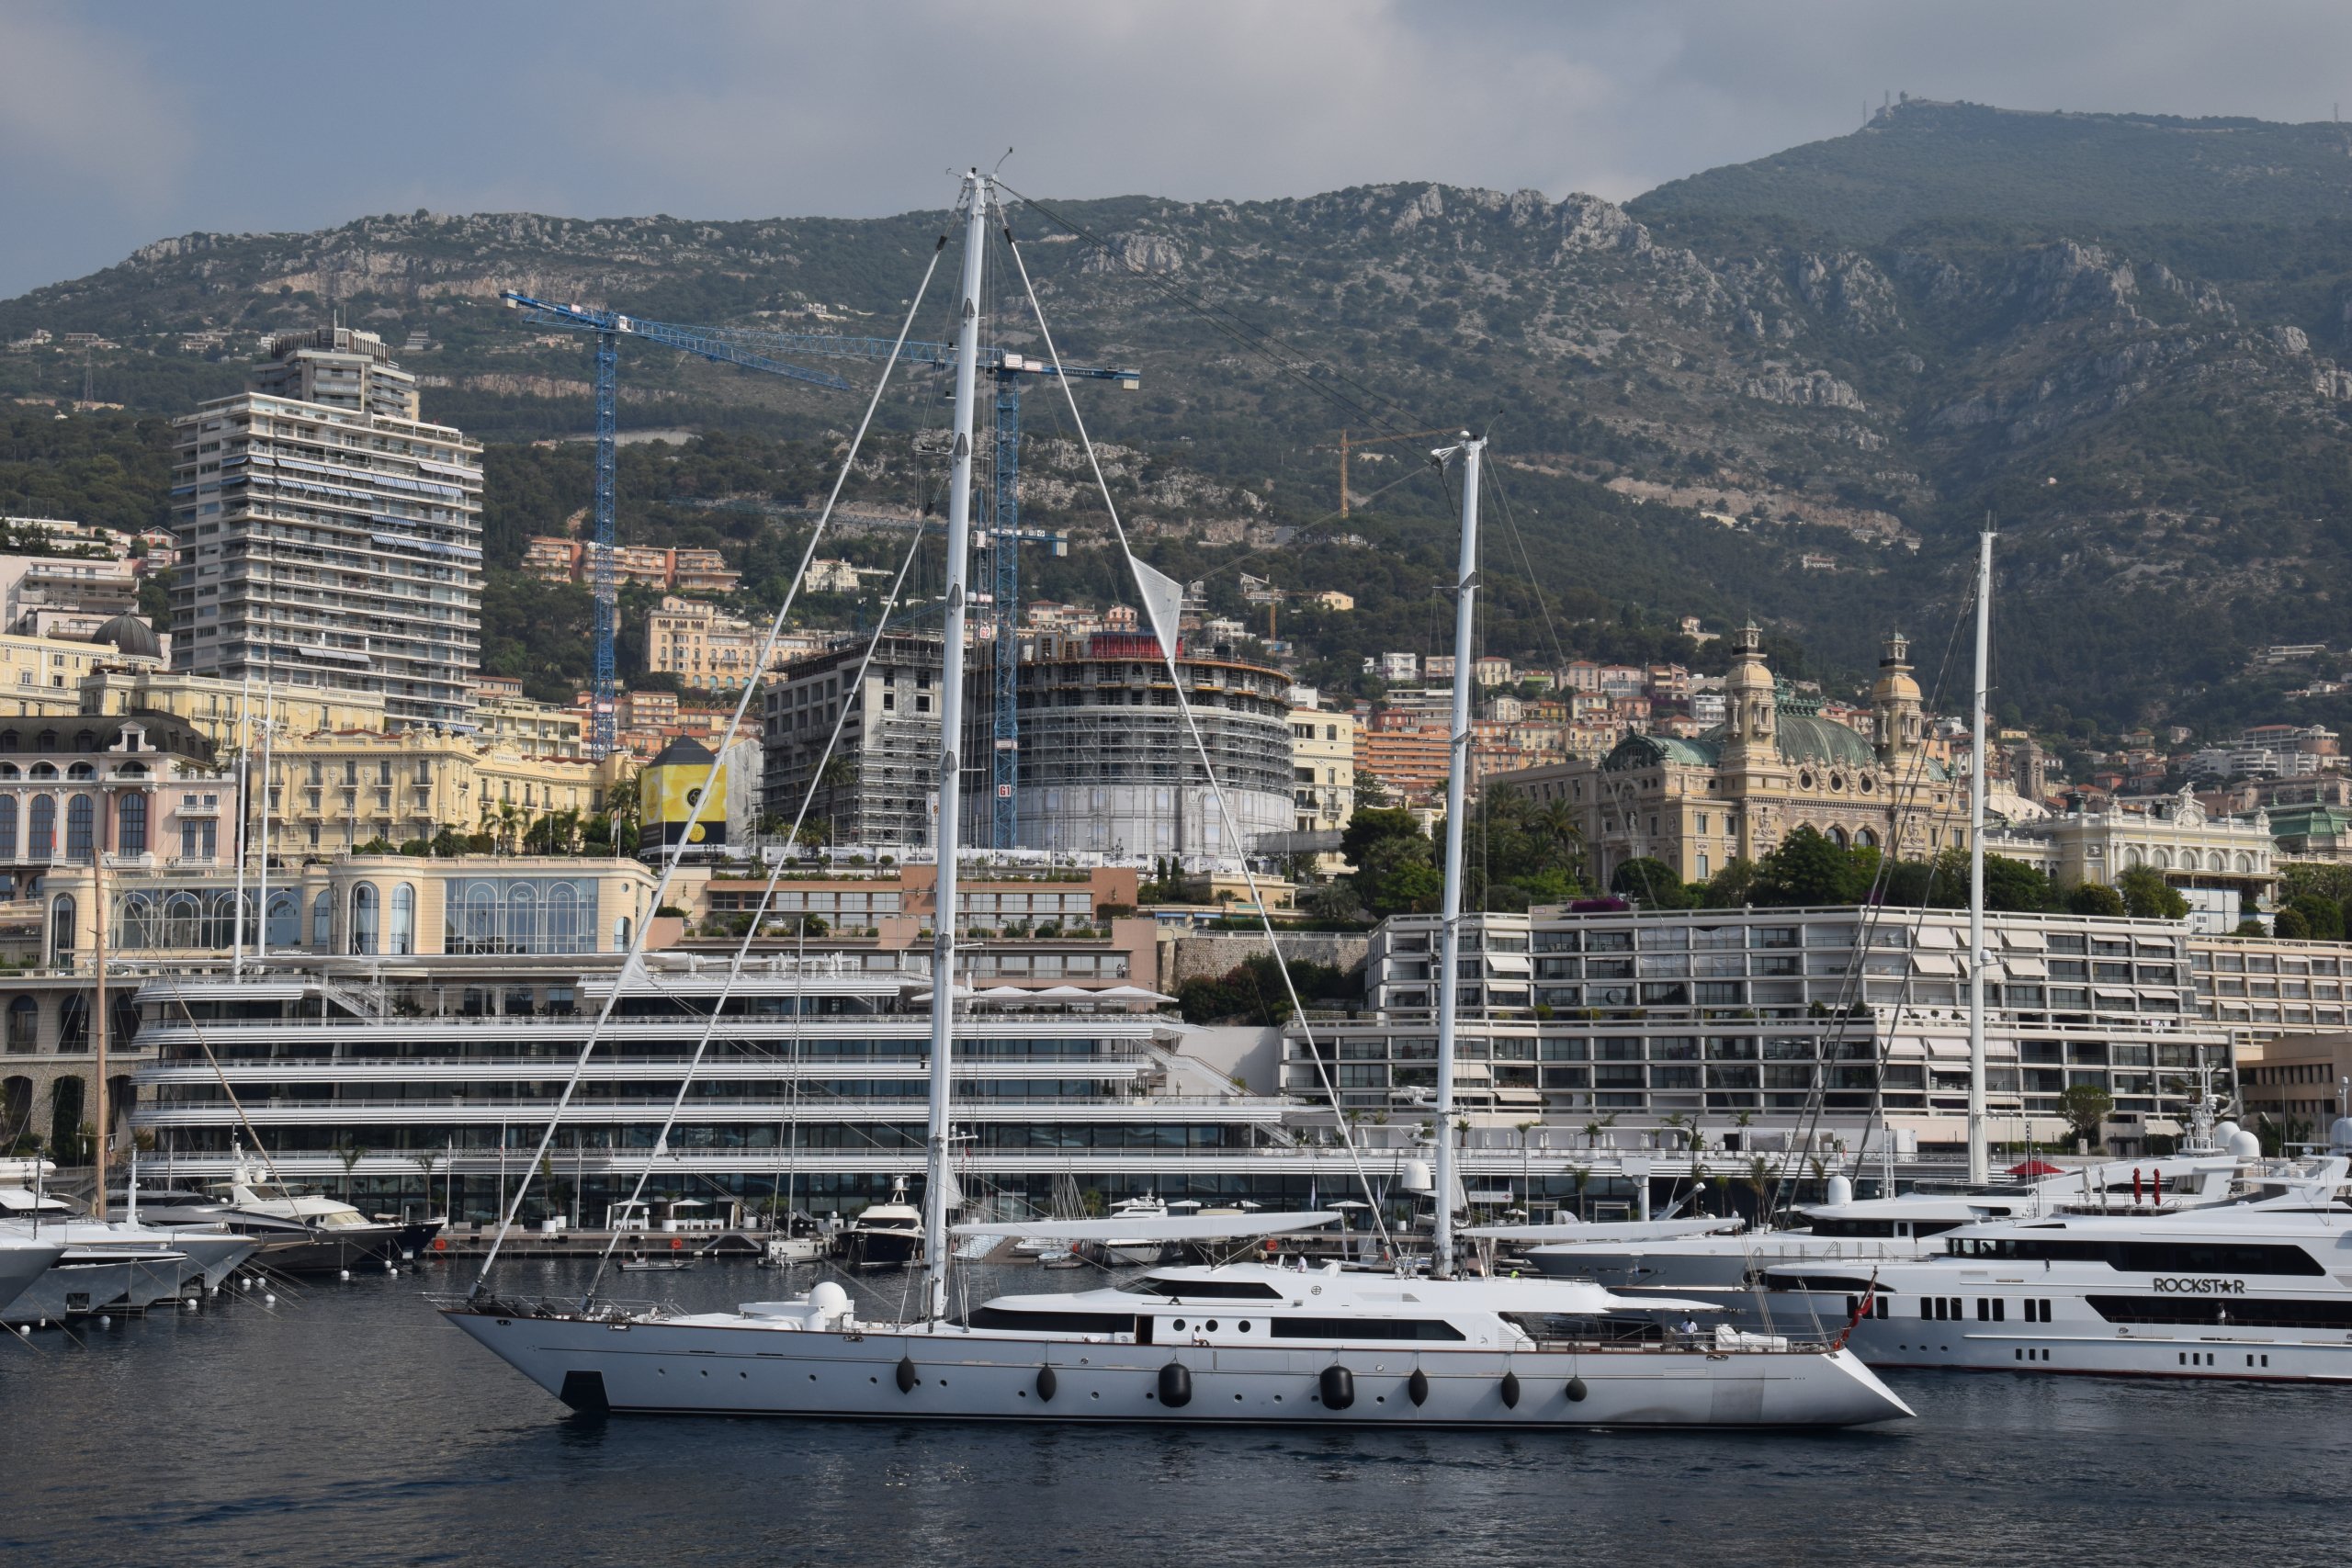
{"type": "Point", "coordinates": [1232, 1344]}
{"type": "Point", "coordinates": [1370, 1350]}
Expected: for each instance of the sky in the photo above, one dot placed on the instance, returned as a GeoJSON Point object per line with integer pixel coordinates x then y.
{"type": "Point", "coordinates": [132, 121]}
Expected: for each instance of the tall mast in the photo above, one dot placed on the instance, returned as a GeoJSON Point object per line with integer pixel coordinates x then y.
{"type": "Point", "coordinates": [1457, 778]}
{"type": "Point", "coordinates": [269, 728]}
{"type": "Point", "coordinates": [237, 832]}
{"type": "Point", "coordinates": [939, 1171]}
{"type": "Point", "coordinates": [1979, 1162]}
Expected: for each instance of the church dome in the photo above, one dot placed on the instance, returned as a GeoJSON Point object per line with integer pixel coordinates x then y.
{"type": "Point", "coordinates": [129, 636]}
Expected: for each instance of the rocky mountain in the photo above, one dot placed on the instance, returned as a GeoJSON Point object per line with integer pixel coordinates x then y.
{"type": "Point", "coordinates": [1793, 387]}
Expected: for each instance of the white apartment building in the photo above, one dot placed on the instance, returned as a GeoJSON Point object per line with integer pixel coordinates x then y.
{"type": "Point", "coordinates": [327, 536]}
{"type": "Point", "coordinates": [1777, 1016]}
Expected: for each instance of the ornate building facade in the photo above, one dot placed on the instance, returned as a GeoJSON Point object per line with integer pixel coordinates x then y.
{"type": "Point", "coordinates": [1773, 766]}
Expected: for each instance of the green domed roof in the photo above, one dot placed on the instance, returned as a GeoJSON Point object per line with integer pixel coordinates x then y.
{"type": "Point", "coordinates": [1805, 738]}
{"type": "Point", "coordinates": [1649, 751]}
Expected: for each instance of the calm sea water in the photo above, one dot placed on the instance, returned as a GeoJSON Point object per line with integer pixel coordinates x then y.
{"type": "Point", "coordinates": [353, 1427]}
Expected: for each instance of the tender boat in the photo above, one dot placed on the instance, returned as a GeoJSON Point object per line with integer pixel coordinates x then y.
{"type": "Point", "coordinates": [887, 1235]}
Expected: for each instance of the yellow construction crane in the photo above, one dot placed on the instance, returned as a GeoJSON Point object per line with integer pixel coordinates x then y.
{"type": "Point", "coordinates": [1349, 443]}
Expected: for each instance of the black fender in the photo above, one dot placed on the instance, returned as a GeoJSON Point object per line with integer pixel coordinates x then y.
{"type": "Point", "coordinates": [1338, 1386]}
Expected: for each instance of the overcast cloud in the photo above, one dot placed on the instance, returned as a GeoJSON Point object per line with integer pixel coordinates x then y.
{"type": "Point", "coordinates": [128, 122]}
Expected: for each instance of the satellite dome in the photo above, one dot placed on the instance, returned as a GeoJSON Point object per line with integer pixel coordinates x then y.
{"type": "Point", "coordinates": [130, 637]}
{"type": "Point", "coordinates": [2339, 1136]}
{"type": "Point", "coordinates": [2245, 1146]}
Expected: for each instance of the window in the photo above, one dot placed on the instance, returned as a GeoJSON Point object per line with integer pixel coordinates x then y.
{"type": "Point", "coordinates": [322, 921]}
{"type": "Point", "coordinates": [61, 928]}
{"type": "Point", "coordinates": [7, 826]}
{"type": "Point", "coordinates": [130, 824]}
{"type": "Point", "coordinates": [403, 924]}
{"type": "Point", "coordinates": [23, 1026]}
{"type": "Point", "coordinates": [362, 918]}
{"type": "Point", "coordinates": [41, 838]}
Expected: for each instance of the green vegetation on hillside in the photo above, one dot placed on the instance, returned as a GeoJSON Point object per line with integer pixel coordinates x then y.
{"type": "Point", "coordinates": [1924, 161]}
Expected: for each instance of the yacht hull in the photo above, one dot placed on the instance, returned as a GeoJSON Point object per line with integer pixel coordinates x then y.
{"type": "Point", "coordinates": [81, 1285]}
{"type": "Point", "coordinates": [2090, 1346]}
{"type": "Point", "coordinates": [681, 1366]}
{"type": "Point", "coordinates": [21, 1264]}
{"type": "Point", "coordinates": [329, 1254]}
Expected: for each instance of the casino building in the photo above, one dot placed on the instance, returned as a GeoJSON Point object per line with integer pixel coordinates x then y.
{"type": "Point", "coordinates": [1774, 765]}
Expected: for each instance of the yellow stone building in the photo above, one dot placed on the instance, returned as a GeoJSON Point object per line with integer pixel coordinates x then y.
{"type": "Point", "coordinates": [1774, 765]}
{"type": "Point", "coordinates": [331, 792]}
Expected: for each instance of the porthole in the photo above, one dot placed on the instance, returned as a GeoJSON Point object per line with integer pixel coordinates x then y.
{"type": "Point", "coordinates": [1837, 783]}
{"type": "Point", "coordinates": [1212, 1326]}
{"type": "Point", "coordinates": [1243, 1327]}
{"type": "Point", "coordinates": [1178, 1324]}
{"type": "Point", "coordinates": [1865, 784]}
{"type": "Point", "coordinates": [1804, 779]}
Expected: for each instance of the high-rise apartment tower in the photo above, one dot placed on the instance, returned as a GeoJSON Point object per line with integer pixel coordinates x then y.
{"type": "Point", "coordinates": [328, 536]}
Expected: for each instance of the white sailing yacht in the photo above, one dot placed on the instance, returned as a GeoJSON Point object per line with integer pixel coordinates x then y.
{"type": "Point", "coordinates": [1236, 1343]}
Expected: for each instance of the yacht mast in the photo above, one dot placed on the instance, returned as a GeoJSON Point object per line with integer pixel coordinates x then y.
{"type": "Point", "coordinates": [1457, 775]}
{"type": "Point", "coordinates": [1978, 1161]}
{"type": "Point", "coordinates": [939, 1171]}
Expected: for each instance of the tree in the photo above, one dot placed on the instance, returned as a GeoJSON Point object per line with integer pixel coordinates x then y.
{"type": "Point", "coordinates": [350, 1153]}
{"type": "Point", "coordinates": [2012, 885]}
{"type": "Point", "coordinates": [2085, 1107]}
{"type": "Point", "coordinates": [2289, 925]}
{"type": "Point", "coordinates": [1652, 882]}
{"type": "Point", "coordinates": [1805, 869]}
{"type": "Point", "coordinates": [2148, 897]}
{"type": "Point", "coordinates": [2094, 898]}
{"type": "Point", "coordinates": [1731, 887]}
{"type": "Point", "coordinates": [2323, 916]}
{"type": "Point", "coordinates": [1371, 825]}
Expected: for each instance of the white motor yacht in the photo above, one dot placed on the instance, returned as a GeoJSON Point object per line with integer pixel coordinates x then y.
{"type": "Point", "coordinates": [2256, 1290]}
{"type": "Point", "coordinates": [173, 1260]}
{"type": "Point", "coordinates": [1850, 1230]}
{"type": "Point", "coordinates": [1127, 1251]}
{"type": "Point", "coordinates": [300, 1231]}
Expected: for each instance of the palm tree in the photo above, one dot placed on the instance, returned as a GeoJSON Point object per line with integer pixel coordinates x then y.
{"type": "Point", "coordinates": [350, 1153]}
{"type": "Point", "coordinates": [1554, 822]}
{"type": "Point", "coordinates": [1579, 1175]}
{"type": "Point", "coordinates": [424, 1160]}
{"type": "Point", "coordinates": [1759, 1182]}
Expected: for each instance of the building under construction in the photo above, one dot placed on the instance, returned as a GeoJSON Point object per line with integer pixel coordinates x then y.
{"type": "Point", "coordinates": [1108, 768]}
{"type": "Point", "coordinates": [880, 786]}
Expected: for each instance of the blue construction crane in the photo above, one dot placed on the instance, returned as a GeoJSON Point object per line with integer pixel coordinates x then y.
{"type": "Point", "coordinates": [1002, 537]}
{"type": "Point", "coordinates": [610, 327]}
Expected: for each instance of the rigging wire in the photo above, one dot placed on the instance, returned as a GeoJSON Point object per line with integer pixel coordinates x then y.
{"type": "Point", "coordinates": [632, 961]}
{"type": "Point", "coordinates": [1191, 724]}
{"type": "Point", "coordinates": [1323, 380]}
{"type": "Point", "coordinates": [752, 930]}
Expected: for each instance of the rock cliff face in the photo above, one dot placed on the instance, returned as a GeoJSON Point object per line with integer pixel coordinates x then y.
{"type": "Point", "coordinates": [2147, 392]}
